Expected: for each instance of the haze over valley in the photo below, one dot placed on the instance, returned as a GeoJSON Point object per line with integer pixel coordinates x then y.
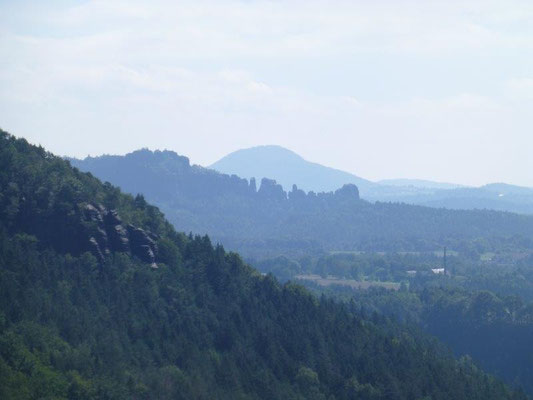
{"type": "Point", "coordinates": [262, 200]}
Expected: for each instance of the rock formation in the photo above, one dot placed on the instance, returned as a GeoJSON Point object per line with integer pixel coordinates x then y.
{"type": "Point", "coordinates": [106, 233]}
{"type": "Point", "coordinates": [348, 191]}
{"type": "Point", "coordinates": [271, 190]}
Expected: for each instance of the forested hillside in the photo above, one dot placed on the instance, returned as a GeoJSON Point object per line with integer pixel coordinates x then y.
{"type": "Point", "coordinates": [494, 330]}
{"type": "Point", "coordinates": [267, 221]}
{"type": "Point", "coordinates": [479, 303]}
{"type": "Point", "coordinates": [101, 299]}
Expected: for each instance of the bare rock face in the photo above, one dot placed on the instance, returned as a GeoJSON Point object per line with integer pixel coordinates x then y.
{"type": "Point", "coordinates": [107, 233]}
{"type": "Point", "coordinates": [98, 241]}
{"type": "Point", "coordinates": [118, 235]}
{"type": "Point", "coordinates": [94, 248]}
{"type": "Point", "coordinates": [93, 214]}
{"type": "Point", "coordinates": [142, 245]}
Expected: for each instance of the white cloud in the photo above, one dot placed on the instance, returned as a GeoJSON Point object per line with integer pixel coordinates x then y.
{"type": "Point", "coordinates": [269, 28]}
{"type": "Point", "coordinates": [206, 77]}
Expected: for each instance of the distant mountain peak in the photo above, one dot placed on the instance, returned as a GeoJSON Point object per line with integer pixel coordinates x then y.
{"type": "Point", "coordinates": [270, 147]}
{"type": "Point", "coordinates": [287, 168]}
{"type": "Point", "coordinates": [268, 152]}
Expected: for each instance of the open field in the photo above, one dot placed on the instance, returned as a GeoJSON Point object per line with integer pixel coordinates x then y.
{"type": "Point", "coordinates": [347, 282]}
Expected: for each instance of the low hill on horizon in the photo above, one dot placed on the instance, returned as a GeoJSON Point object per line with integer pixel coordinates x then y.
{"type": "Point", "coordinates": [419, 183]}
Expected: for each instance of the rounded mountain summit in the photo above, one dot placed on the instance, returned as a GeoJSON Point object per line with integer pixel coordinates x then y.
{"type": "Point", "coordinates": [287, 168]}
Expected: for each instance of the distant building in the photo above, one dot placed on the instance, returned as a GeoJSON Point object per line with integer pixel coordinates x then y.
{"type": "Point", "coordinates": [438, 271]}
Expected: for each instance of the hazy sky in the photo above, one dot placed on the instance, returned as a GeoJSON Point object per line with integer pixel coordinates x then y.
{"type": "Point", "coordinates": [439, 90]}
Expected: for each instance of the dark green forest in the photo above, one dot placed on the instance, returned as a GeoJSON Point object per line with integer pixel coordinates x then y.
{"type": "Point", "coordinates": [482, 308]}
{"type": "Point", "coordinates": [494, 330]}
{"type": "Point", "coordinates": [506, 273]}
{"type": "Point", "coordinates": [100, 298]}
{"type": "Point", "coordinates": [266, 221]}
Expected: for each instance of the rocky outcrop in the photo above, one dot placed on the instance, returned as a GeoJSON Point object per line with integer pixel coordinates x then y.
{"type": "Point", "coordinates": [296, 194]}
{"type": "Point", "coordinates": [253, 186]}
{"type": "Point", "coordinates": [93, 214]}
{"type": "Point", "coordinates": [95, 248]}
{"type": "Point", "coordinates": [348, 191]}
{"type": "Point", "coordinates": [118, 235]}
{"type": "Point", "coordinates": [142, 244]}
{"type": "Point", "coordinates": [271, 190]}
{"type": "Point", "coordinates": [106, 233]}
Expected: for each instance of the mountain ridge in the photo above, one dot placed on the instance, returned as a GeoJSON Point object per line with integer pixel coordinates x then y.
{"type": "Point", "coordinates": [252, 220]}
{"type": "Point", "coordinates": [287, 168]}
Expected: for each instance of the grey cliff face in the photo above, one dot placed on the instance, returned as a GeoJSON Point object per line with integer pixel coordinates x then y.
{"type": "Point", "coordinates": [107, 233]}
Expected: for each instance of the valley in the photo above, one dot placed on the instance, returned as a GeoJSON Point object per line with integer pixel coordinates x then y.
{"type": "Point", "coordinates": [266, 200]}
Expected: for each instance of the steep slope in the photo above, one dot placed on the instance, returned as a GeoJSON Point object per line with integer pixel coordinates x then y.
{"type": "Point", "coordinates": [494, 330]}
{"type": "Point", "coordinates": [202, 325]}
{"type": "Point", "coordinates": [287, 168]}
{"type": "Point", "coordinates": [270, 221]}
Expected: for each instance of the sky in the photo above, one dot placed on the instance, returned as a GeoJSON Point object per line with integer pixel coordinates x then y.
{"type": "Point", "coordinates": [438, 90]}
